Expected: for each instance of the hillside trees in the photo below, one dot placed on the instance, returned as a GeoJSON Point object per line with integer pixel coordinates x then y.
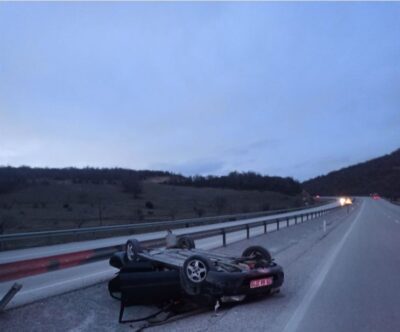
{"type": "Point", "coordinates": [243, 181]}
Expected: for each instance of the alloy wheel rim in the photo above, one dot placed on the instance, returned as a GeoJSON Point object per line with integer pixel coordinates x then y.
{"type": "Point", "coordinates": [196, 271]}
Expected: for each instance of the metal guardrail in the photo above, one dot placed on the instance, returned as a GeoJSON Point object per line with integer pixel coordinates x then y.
{"type": "Point", "coordinates": [9, 295]}
{"type": "Point", "coordinates": [23, 268]}
{"type": "Point", "coordinates": [147, 227]}
{"type": "Point", "coordinates": [223, 231]}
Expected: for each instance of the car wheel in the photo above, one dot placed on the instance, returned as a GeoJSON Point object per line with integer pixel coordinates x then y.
{"type": "Point", "coordinates": [194, 273]}
{"type": "Point", "coordinates": [258, 252]}
{"type": "Point", "coordinates": [186, 242]}
{"type": "Point", "coordinates": [133, 248]}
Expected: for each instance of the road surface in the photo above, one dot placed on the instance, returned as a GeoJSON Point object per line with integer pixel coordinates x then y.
{"type": "Point", "coordinates": [344, 279]}
{"type": "Point", "coordinates": [358, 288]}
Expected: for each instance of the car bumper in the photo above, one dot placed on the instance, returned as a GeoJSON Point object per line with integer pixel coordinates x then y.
{"type": "Point", "coordinates": [238, 283]}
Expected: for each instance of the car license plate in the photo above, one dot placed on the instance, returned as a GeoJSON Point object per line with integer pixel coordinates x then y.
{"type": "Point", "coordinates": [261, 282]}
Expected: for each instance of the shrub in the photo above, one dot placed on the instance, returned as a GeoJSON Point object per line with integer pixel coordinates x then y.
{"type": "Point", "coordinates": [149, 205]}
{"type": "Point", "coordinates": [133, 186]}
{"type": "Point", "coordinates": [265, 207]}
{"type": "Point", "coordinates": [199, 211]}
{"type": "Point", "coordinates": [219, 203]}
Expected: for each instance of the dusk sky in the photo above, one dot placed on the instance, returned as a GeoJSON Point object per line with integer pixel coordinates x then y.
{"type": "Point", "coordinates": [288, 89]}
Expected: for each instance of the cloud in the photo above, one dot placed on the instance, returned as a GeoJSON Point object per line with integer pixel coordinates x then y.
{"type": "Point", "coordinates": [288, 89]}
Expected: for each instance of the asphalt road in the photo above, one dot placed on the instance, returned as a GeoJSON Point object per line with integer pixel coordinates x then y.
{"type": "Point", "coordinates": [358, 288]}
{"type": "Point", "coordinates": [344, 279]}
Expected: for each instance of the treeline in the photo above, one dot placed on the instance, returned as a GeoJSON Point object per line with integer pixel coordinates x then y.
{"type": "Point", "coordinates": [242, 181]}
{"type": "Point", "coordinates": [380, 175]}
{"type": "Point", "coordinates": [12, 178]}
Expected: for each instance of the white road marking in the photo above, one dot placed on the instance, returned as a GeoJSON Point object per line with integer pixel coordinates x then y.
{"type": "Point", "coordinates": [302, 308]}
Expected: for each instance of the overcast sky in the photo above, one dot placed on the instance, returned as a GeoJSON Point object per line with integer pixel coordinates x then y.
{"type": "Point", "coordinates": [289, 89]}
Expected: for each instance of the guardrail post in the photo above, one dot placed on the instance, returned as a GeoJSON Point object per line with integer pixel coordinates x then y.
{"type": "Point", "coordinates": [277, 224]}
{"type": "Point", "coordinates": [223, 237]}
{"type": "Point", "coordinates": [248, 231]}
{"type": "Point", "coordinates": [10, 294]}
{"type": "Point", "coordinates": [265, 227]}
{"type": "Point", "coordinates": [301, 218]}
{"type": "Point", "coordinates": [295, 220]}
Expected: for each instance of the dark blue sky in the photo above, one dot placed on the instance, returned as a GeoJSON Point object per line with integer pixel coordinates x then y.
{"type": "Point", "coordinates": [290, 89]}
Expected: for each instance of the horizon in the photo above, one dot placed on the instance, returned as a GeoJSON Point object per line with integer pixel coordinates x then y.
{"type": "Point", "coordinates": [281, 89]}
{"type": "Point", "coordinates": [174, 173]}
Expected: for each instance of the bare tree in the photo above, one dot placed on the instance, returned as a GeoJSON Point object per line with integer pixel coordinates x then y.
{"type": "Point", "coordinates": [101, 206]}
{"type": "Point", "coordinates": [5, 222]}
{"type": "Point", "coordinates": [80, 222]}
{"type": "Point", "coordinates": [139, 214]}
{"type": "Point", "coordinates": [172, 212]}
{"type": "Point", "coordinates": [265, 206]}
{"type": "Point", "coordinates": [199, 211]}
{"type": "Point", "coordinates": [133, 186]}
{"type": "Point", "coordinates": [245, 209]}
{"type": "Point", "coordinates": [219, 204]}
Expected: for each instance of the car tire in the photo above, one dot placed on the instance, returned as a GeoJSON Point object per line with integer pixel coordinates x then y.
{"type": "Point", "coordinates": [258, 252]}
{"type": "Point", "coordinates": [194, 273]}
{"type": "Point", "coordinates": [186, 242]}
{"type": "Point", "coordinates": [133, 248]}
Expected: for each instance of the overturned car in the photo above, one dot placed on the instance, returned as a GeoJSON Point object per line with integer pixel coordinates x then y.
{"type": "Point", "coordinates": [156, 276]}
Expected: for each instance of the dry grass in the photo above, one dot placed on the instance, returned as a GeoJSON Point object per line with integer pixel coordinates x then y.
{"type": "Point", "coordinates": [60, 205]}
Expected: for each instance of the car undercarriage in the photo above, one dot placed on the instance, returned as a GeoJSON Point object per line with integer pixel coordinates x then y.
{"type": "Point", "coordinates": [182, 273]}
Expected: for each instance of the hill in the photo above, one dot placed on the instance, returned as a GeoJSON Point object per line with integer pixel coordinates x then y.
{"type": "Point", "coordinates": [34, 199]}
{"type": "Point", "coordinates": [380, 175]}
{"type": "Point", "coordinates": [242, 181]}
